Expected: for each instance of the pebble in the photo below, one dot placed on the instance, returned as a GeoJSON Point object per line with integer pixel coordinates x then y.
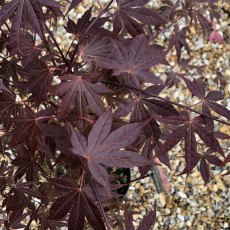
{"type": "Point", "coordinates": [137, 186]}
{"type": "Point", "coordinates": [189, 223]}
{"type": "Point", "coordinates": [141, 189]}
{"type": "Point", "coordinates": [142, 181]}
{"type": "Point", "coordinates": [203, 209]}
{"type": "Point", "coordinates": [214, 188]}
{"type": "Point", "coordinates": [180, 217]}
{"type": "Point", "coordinates": [194, 204]}
{"type": "Point", "coordinates": [210, 213]}
{"type": "Point", "coordinates": [182, 194]}
{"type": "Point", "coordinates": [131, 188]}
{"type": "Point", "coordinates": [220, 183]}
{"type": "Point", "coordinates": [146, 186]}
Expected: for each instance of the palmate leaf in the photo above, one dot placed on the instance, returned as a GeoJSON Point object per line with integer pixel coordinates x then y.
{"type": "Point", "coordinates": [186, 130]}
{"type": "Point", "coordinates": [130, 12]}
{"type": "Point", "coordinates": [96, 46]}
{"type": "Point", "coordinates": [22, 193]}
{"type": "Point", "coordinates": [78, 204]}
{"type": "Point", "coordinates": [39, 79]}
{"type": "Point", "coordinates": [27, 128]}
{"type": "Point", "coordinates": [27, 11]}
{"type": "Point", "coordinates": [197, 88]}
{"type": "Point", "coordinates": [27, 50]}
{"type": "Point", "coordinates": [27, 163]}
{"type": "Point", "coordinates": [132, 59]}
{"type": "Point", "coordinates": [79, 94]}
{"type": "Point", "coordinates": [137, 106]}
{"type": "Point", "coordinates": [103, 149]}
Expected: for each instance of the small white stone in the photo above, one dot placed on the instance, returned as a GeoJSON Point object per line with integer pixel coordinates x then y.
{"type": "Point", "coordinates": [210, 213]}
{"type": "Point", "coordinates": [142, 181]}
{"type": "Point", "coordinates": [131, 188]}
{"type": "Point", "coordinates": [182, 195]}
{"type": "Point", "coordinates": [194, 204]}
{"type": "Point", "coordinates": [226, 225]}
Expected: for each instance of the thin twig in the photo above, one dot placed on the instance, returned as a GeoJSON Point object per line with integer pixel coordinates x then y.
{"type": "Point", "coordinates": [56, 44]}
{"type": "Point", "coordinates": [67, 53]}
{"type": "Point", "coordinates": [166, 100]}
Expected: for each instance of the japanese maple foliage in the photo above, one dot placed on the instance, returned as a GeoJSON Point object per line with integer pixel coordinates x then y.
{"type": "Point", "coordinates": [69, 115]}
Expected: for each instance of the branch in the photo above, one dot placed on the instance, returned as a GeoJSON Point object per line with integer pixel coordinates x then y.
{"type": "Point", "coordinates": [84, 34]}
{"type": "Point", "coordinates": [56, 44]}
{"type": "Point", "coordinates": [166, 100]}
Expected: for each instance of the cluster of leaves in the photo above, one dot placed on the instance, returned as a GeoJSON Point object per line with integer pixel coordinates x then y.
{"type": "Point", "coordinates": [69, 115]}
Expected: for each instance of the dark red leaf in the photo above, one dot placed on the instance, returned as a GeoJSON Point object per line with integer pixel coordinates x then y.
{"type": "Point", "coordinates": [196, 87]}
{"type": "Point", "coordinates": [204, 170]}
{"type": "Point", "coordinates": [221, 135]}
{"type": "Point", "coordinates": [212, 159]}
{"type": "Point", "coordinates": [80, 207]}
{"type": "Point", "coordinates": [130, 63]}
{"type": "Point", "coordinates": [62, 205]}
{"type": "Point", "coordinates": [207, 137]}
{"type": "Point", "coordinates": [4, 88]}
{"type": "Point", "coordinates": [27, 11]}
{"type": "Point", "coordinates": [27, 126]}
{"type": "Point", "coordinates": [79, 94]}
{"type": "Point", "coordinates": [129, 12]}
{"type": "Point", "coordinates": [220, 109]}
{"type": "Point", "coordinates": [39, 81]}
{"type": "Point", "coordinates": [178, 39]}
{"type": "Point", "coordinates": [103, 149]}
{"type": "Point", "coordinates": [174, 138]}
{"type": "Point", "coordinates": [190, 150]}
{"type": "Point", "coordinates": [83, 23]}
{"type": "Point", "coordinates": [215, 95]}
